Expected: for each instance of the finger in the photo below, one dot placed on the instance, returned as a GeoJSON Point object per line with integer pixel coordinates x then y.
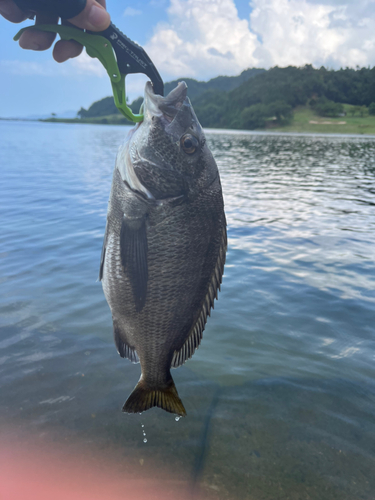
{"type": "Point", "coordinates": [94, 17]}
{"type": "Point", "coordinates": [39, 40]}
{"type": "Point", "coordinates": [66, 49]}
{"type": "Point", "coordinates": [11, 12]}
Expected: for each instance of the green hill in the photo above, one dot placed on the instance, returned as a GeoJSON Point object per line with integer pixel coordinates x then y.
{"type": "Point", "coordinates": [223, 83]}
{"type": "Point", "coordinates": [106, 106]}
{"type": "Point", "coordinates": [259, 99]}
{"type": "Point", "coordinates": [277, 92]}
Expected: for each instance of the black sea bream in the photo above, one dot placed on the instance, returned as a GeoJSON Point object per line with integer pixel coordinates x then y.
{"type": "Point", "coordinates": [164, 245]}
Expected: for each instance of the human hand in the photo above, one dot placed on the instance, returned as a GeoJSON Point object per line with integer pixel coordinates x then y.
{"type": "Point", "coordinates": [94, 17]}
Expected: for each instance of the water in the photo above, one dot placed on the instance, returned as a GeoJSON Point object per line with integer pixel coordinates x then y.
{"type": "Point", "coordinates": [281, 394]}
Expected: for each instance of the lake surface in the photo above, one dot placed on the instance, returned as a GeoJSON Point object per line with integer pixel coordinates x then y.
{"type": "Point", "coordinates": [280, 395]}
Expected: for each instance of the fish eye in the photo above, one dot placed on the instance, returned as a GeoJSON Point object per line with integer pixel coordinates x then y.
{"type": "Point", "coordinates": [189, 143]}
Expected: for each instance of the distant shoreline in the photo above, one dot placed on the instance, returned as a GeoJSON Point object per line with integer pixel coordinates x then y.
{"type": "Point", "coordinates": [304, 122]}
{"type": "Point", "coordinates": [95, 121]}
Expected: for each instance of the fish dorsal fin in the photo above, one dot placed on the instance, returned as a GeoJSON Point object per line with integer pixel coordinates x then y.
{"type": "Point", "coordinates": [123, 348]}
{"type": "Point", "coordinates": [195, 335]}
{"type": "Point", "coordinates": [102, 257]}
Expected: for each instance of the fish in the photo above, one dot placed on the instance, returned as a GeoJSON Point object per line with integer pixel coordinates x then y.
{"type": "Point", "coordinates": [164, 245]}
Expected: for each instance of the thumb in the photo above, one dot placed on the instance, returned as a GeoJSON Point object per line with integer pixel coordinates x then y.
{"type": "Point", "coordinates": [94, 17]}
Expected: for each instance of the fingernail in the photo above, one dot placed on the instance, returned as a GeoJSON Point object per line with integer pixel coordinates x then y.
{"type": "Point", "coordinates": [98, 17]}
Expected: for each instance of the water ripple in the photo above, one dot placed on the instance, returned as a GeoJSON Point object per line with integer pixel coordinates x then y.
{"type": "Point", "coordinates": [284, 378]}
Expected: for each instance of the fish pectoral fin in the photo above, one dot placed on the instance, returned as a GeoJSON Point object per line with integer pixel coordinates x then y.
{"type": "Point", "coordinates": [133, 251]}
{"type": "Point", "coordinates": [143, 398]}
{"type": "Point", "coordinates": [123, 347]}
{"type": "Point", "coordinates": [195, 335]}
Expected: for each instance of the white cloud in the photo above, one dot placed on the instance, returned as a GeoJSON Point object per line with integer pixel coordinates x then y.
{"type": "Point", "coordinates": [130, 11]}
{"type": "Point", "coordinates": [298, 32]}
{"type": "Point", "coordinates": [205, 38]}
{"type": "Point", "coordinates": [202, 38]}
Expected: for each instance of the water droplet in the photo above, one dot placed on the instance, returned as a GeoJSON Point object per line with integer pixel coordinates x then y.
{"type": "Point", "coordinates": [177, 418]}
{"type": "Point", "coordinates": [144, 433]}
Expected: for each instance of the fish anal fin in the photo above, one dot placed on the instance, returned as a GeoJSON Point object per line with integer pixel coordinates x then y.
{"type": "Point", "coordinates": [143, 398]}
{"type": "Point", "coordinates": [195, 335]}
{"type": "Point", "coordinates": [134, 250]}
{"type": "Point", "coordinates": [123, 348]}
{"type": "Point", "coordinates": [191, 343]}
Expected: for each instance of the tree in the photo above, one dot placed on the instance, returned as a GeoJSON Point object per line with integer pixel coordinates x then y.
{"type": "Point", "coordinates": [228, 101]}
{"type": "Point", "coordinates": [100, 108]}
{"type": "Point", "coordinates": [282, 110]}
{"type": "Point", "coordinates": [325, 107]}
{"type": "Point", "coordinates": [253, 117]}
{"type": "Point", "coordinates": [135, 106]}
{"type": "Point", "coordinates": [82, 113]}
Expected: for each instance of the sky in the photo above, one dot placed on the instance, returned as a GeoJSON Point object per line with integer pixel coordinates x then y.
{"type": "Point", "coordinates": [191, 38]}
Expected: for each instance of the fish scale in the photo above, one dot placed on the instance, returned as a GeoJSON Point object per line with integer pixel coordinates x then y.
{"type": "Point", "coordinates": [164, 248]}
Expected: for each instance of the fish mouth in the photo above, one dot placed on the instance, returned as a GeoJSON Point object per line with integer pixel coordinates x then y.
{"type": "Point", "coordinates": [168, 106]}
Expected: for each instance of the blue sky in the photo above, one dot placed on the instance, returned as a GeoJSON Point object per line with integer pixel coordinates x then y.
{"type": "Point", "coordinates": [192, 38]}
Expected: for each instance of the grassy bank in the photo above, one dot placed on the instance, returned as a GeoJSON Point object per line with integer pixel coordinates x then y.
{"type": "Point", "coordinates": [305, 120]}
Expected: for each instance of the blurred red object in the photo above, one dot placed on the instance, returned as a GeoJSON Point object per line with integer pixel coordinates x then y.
{"type": "Point", "coordinates": [33, 470]}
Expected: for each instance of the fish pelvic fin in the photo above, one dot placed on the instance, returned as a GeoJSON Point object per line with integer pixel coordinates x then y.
{"type": "Point", "coordinates": [123, 347]}
{"type": "Point", "coordinates": [143, 398]}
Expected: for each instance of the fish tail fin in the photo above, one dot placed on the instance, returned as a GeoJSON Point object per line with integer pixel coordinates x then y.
{"type": "Point", "coordinates": [143, 398]}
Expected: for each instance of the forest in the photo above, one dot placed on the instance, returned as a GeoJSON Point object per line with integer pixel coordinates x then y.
{"type": "Point", "coordinates": [261, 98]}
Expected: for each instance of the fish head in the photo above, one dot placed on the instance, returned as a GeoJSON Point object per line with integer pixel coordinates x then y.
{"type": "Point", "coordinates": [167, 154]}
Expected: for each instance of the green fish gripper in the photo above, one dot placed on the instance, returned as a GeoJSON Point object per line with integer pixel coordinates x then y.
{"type": "Point", "coordinates": [99, 47]}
